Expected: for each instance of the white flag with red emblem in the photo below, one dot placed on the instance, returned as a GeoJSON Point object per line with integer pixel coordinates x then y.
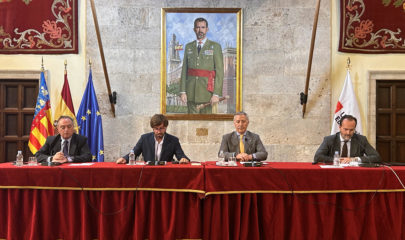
{"type": "Point", "coordinates": [347, 105]}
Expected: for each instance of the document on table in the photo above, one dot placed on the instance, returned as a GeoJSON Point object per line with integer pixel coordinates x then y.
{"type": "Point", "coordinates": [81, 164]}
{"type": "Point", "coordinates": [330, 166]}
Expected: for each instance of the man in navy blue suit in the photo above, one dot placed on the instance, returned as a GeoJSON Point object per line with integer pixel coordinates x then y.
{"type": "Point", "coordinates": [158, 145]}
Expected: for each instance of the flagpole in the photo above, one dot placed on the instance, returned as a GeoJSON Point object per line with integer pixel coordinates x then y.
{"type": "Point", "coordinates": [42, 64]}
{"type": "Point", "coordinates": [304, 95]}
{"type": "Point", "coordinates": [100, 47]}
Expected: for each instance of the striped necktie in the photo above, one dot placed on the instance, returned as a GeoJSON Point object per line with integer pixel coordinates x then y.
{"type": "Point", "coordinates": [66, 148]}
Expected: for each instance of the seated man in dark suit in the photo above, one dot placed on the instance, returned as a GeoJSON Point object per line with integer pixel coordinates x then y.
{"type": "Point", "coordinates": [349, 144]}
{"type": "Point", "coordinates": [246, 145]}
{"type": "Point", "coordinates": [67, 146]}
{"type": "Point", "coordinates": [158, 145]}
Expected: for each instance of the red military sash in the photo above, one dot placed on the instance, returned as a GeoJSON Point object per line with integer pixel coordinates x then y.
{"type": "Point", "coordinates": [204, 73]}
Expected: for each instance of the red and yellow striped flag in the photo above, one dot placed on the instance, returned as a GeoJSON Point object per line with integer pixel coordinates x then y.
{"type": "Point", "coordinates": [41, 126]}
{"type": "Point", "coordinates": [65, 106]}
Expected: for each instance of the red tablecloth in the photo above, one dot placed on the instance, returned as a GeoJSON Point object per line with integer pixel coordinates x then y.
{"type": "Point", "coordinates": [102, 201]}
{"type": "Point", "coordinates": [303, 201]}
{"type": "Point", "coordinates": [292, 177]}
{"type": "Point", "coordinates": [276, 201]}
{"type": "Point", "coordinates": [104, 176]}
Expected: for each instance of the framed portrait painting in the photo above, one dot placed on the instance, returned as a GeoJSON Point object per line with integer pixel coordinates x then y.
{"type": "Point", "coordinates": [201, 63]}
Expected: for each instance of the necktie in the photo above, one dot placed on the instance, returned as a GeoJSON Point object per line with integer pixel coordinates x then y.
{"type": "Point", "coordinates": [199, 47]}
{"type": "Point", "coordinates": [241, 145]}
{"type": "Point", "coordinates": [65, 148]}
{"type": "Point", "coordinates": [344, 150]}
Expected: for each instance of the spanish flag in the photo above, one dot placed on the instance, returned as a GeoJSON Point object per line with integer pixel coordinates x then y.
{"type": "Point", "coordinates": [41, 126]}
{"type": "Point", "coordinates": [65, 106]}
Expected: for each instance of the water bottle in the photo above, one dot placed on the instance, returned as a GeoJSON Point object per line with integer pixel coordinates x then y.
{"type": "Point", "coordinates": [336, 159]}
{"type": "Point", "coordinates": [131, 158]}
{"type": "Point", "coordinates": [19, 161]}
{"type": "Point", "coordinates": [221, 158]}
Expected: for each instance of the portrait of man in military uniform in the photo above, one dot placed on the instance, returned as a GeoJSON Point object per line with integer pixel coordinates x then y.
{"type": "Point", "coordinates": [201, 58]}
{"type": "Point", "coordinates": [202, 72]}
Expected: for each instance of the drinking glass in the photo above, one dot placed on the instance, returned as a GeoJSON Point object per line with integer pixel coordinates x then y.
{"type": "Point", "coordinates": [232, 160]}
{"type": "Point", "coordinates": [32, 161]}
{"type": "Point", "coordinates": [139, 160]}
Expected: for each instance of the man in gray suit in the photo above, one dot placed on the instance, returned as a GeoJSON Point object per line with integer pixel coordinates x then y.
{"type": "Point", "coordinates": [246, 145]}
{"type": "Point", "coordinates": [349, 144]}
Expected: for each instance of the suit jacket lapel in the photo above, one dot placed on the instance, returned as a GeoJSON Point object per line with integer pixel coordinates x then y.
{"type": "Point", "coordinates": [235, 141]}
{"type": "Point", "coordinates": [73, 145]}
{"type": "Point", "coordinates": [57, 145]}
{"type": "Point", "coordinates": [164, 147]}
{"type": "Point", "coordinates": [337, 143]}
{"type": "Point", "coordinates": [248, 142]}
{"type": "Point", "coordinates": [353, 146]}
{"type": "Point", "coordinates": [152, 143]}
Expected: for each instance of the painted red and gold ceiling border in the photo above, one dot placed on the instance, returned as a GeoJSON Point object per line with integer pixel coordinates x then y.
{"type": "Point", "coordinates": [38, 26]}
{"type": "Point", "coordinates": [372, 26]}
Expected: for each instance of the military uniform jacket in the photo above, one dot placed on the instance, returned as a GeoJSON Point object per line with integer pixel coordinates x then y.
{"type": "Point", "coordinates": [210, 58]}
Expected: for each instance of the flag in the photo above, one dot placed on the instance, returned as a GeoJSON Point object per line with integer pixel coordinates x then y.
{"type": "Point", "coordinates": [347, 104]}
{"type": "Point", "coordinates": [89, 122]}
{"type": "Point", "coordinates": [65, 106]}
{"type": "Point", "coordinates": [41, 126]}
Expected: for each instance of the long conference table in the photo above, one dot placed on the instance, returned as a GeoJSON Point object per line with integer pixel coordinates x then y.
{"type": "Point", "coordinates": [281, 200]}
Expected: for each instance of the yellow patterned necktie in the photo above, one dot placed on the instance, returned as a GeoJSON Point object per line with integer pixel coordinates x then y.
{"type": "Point", "coordinates": [241, 145]}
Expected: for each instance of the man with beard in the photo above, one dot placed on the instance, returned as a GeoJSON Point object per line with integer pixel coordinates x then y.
{"type": "Point", "coordinates": [246, 145]}
{"type": "Point", "coordinates": [202, 73]}
{"type": "Point", "coordinates": [158, 145]}
{"type": "Point", "coordinates": [348, 143]}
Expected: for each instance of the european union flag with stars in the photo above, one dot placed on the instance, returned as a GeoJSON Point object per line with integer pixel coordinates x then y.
{"type": "Point", "coordinates": [89, 122]}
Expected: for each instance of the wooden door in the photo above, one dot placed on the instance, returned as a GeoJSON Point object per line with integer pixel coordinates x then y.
{"type": "Point", "coordinates": [390, 120]}
{"type": "Point", "coordinates": [17, 108]}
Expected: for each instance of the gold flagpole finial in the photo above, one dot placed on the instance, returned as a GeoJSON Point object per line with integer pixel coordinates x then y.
{"type": "Point", "coordinates": [348, 63]}
{"type": "Point", "coordinates": [65, 66]}
{"type": "Point", "coordinates": [42, 64]}
{"type": "Point", "coordinates": [90, 63]}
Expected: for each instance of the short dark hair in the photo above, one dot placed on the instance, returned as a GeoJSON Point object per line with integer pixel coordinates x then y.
{"type": "Point", "coordinates": [200, 19]}
{"type": "Point", "coordinates": [157, 120]}
{"type": "Point", "coordinates": [348, 117]}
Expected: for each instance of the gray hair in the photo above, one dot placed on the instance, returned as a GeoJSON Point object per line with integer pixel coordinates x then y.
{"type": "Point", "coordinates": [241, 113]}
{"type": "Point", "coordinates": [65, 117]}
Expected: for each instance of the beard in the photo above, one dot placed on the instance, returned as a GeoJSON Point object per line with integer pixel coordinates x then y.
{"type": "Point", "coordinates": [346, 136]}
{"type": "Point", "coordinates": [159, 135]}
{"type": "Point", "coordinates": [201, 35]}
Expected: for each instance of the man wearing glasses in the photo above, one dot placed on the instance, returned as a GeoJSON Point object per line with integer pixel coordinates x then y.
{"type": "Point", "coordinates": [158, 145]}
{"type": "Point", "coordinates": [67, 146]}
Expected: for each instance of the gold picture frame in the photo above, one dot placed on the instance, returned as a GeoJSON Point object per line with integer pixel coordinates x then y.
{"type": "Point", "coordinates": [225, 28]}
